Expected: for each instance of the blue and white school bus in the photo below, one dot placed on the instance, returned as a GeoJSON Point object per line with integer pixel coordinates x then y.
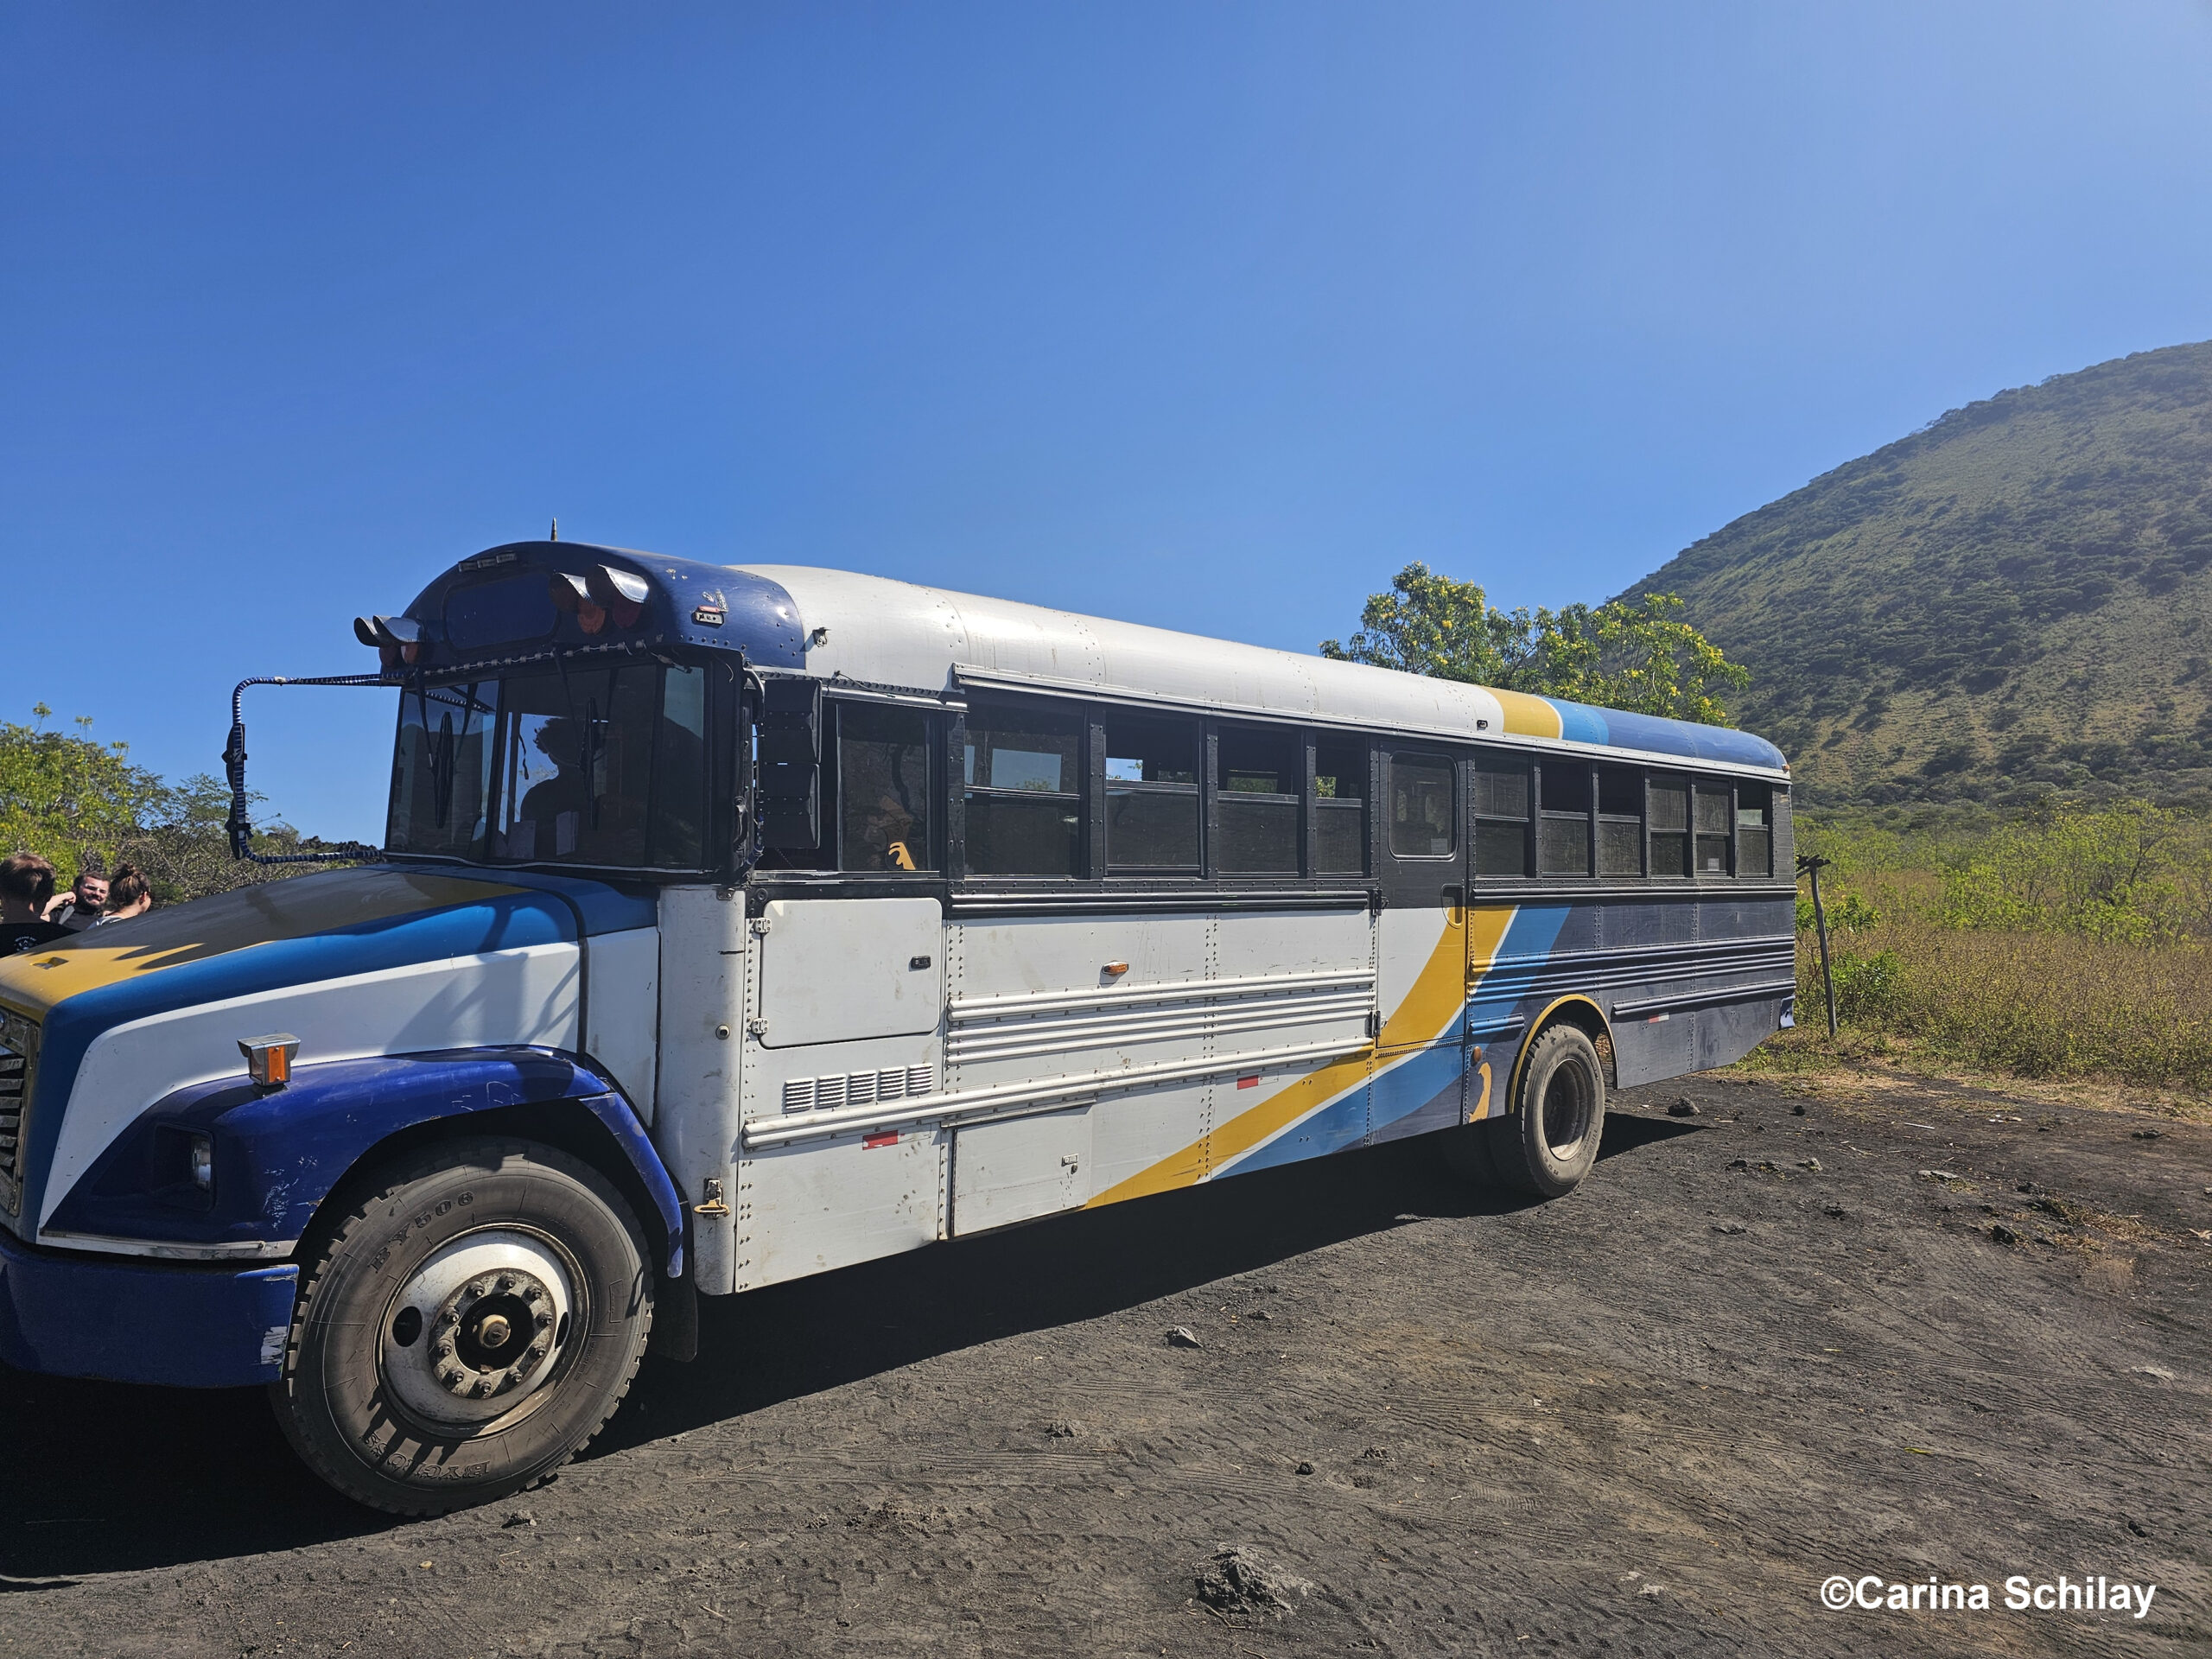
{"type": "Point", "coordinates": [736, 923]}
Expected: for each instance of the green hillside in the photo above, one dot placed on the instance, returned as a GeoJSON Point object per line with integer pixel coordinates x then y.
{"type": "Point", "coordinates": [2015, 600]}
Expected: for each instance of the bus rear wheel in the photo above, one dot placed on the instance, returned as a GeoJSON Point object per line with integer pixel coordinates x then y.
{"type": "Point", "coordinates": [467, 1329]}
{"type": "Point", "coordinates": [1559, 1117]}
{"type": "Point", "coordinates": [1549, 1141]}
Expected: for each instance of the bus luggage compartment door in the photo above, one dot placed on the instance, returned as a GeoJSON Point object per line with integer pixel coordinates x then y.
{"type": "Point", "coordinates": [836, 970]}
{"type": "Point", "coordinates": [1019, 1169]}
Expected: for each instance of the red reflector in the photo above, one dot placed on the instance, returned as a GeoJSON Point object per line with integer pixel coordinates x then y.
{"type": "Point", "coordinates": [1248, 1083]}
{"type": "Point", "coordinates": [889, 1138]}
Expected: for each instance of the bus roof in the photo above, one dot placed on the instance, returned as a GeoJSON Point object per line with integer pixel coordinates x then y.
{"type": "Point", "coordinates": [897, 633]}
{"type": "Point", "coordinates": [888, 633]}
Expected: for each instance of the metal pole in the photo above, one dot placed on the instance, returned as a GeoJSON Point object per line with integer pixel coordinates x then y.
{"type": "Point", "coordinates": [1814, 867]}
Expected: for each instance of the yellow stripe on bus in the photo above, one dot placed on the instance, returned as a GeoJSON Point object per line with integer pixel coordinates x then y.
{"type": "Point", "coordinates": [1527, 716]}
{"type": "Point", "coordinates": [1428, 1012]}
{"type": "Point", "coordinates": [32, 982]}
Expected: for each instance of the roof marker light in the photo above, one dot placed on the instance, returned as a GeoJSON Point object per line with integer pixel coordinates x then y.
{"type": "Point", "coordinates": [621, 592]}
{"type": "Point", "coordinates": [395, 640]}
{"type": "Point", "coordinates": [572, 595]}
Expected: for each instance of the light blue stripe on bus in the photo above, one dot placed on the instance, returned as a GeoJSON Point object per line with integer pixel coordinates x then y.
{"type": "Point", "coordinates": [1579, 723]}
{"type": "Point", "coordinates": [1419, 1081]}
{"type": "Point", "coordinates": [1331, 1128]}
{"type": "Point", "coordinates": [1521, 954]}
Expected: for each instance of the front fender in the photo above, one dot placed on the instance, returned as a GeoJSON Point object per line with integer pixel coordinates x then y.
{"type": "Point", "coordinates": [278, 1153]}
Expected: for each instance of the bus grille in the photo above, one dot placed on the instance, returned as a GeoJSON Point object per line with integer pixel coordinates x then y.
{"type": "Point", "coordinates": [18, 1060]}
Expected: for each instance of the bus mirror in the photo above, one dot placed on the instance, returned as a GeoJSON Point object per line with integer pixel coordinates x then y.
{"type": "Point", "coordinates": [789, 782]}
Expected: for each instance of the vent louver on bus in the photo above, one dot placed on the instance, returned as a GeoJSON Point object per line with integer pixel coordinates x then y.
{"type": "Point", "coordinates": [858, 1088]}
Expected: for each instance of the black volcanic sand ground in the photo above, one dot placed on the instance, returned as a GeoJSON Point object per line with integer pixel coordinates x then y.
{"type": "Point", "coordinates": [1611, 1425]}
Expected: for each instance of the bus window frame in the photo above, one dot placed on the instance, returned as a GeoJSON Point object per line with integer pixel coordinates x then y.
{"type": "Point", "coordinates": [1198, 792]}
{"type": "Point", "coordinates": [1725, 787]}
{"type": "Point", "coordinates": [1380, 813]}
{"type": "Point", "coordinates": [1567, 766]}
{"type": "Point", "coordinates": [1365, 745]}
{"type": "Point", "coordinates": [1600, 818]}
{"type": "Point", "coordinates": [1299, 740]}
{"type": "Point", "coordinates": [1496, 757]}
{"type": "Point", "coordinates": [725, 773]}
{"type": "Point", "coordinates": [1088, 763]}
{"type": "Point", "coordinates": [936, 755]}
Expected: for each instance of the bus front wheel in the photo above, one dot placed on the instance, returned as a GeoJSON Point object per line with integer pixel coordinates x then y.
{"type": "Point", "coordinates": [466, 1328]}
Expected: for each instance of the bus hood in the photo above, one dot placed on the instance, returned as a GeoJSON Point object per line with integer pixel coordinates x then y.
{"type": "Point", "coordinates": [243, 945]}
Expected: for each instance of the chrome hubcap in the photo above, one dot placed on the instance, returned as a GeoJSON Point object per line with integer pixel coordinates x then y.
{"type": "Point", "coordinates": [479, 1327]}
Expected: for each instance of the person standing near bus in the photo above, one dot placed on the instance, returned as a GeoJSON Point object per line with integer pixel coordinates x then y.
{"type": "Point", "coordinates": [26, 889]}
{"type": "Point", "coordinates": [128, 895]}
{"type": "Point", "coordinates": [80, 907]}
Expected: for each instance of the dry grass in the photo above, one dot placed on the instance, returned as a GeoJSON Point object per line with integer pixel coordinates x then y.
{"type": "Point", "coordinates": [2036, 1005]}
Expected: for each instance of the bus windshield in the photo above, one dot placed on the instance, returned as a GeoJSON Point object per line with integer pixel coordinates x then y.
{"type": "Point", "coordinates": [599, 766]}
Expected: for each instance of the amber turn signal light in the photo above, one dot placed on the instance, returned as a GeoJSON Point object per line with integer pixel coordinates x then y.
{"type": "Point", "coordinates": [269, 1060]}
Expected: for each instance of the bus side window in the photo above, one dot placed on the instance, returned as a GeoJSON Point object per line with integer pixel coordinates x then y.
{"type": "Point", "coordinates": [1340, 788]}
{"type": "Point", "coordinates": [1670, 826]}
{"type": "Point", "coordinates": [1620, 821]}
{"type": "Point", "coordinates": [883, 788]}
{"type": "Point", "coordinates": [1563, 825]}
{"type": "Point", "coordinates": [1021, 778]}
{"type": "Point", "coordinates": [1712, 827]}
{"type": "Point", "coordinates": [1152, 793]}
{"type": "Point", "coordinates": [1501, 816]}
{"type": "Point", "coordinates": [1423, 814]}
{"type": "Point", "coordinates": [1754, 830]}
{"type": "Point", "coordinates": [1257, 801]}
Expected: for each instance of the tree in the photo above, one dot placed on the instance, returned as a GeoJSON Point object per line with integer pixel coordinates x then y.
{"type": "Point", "coordinates": [1643, 658]}
{"type": "Point", "coordinates": [62, 797]}
{"type": "Point", "coordinates": [69, 798]}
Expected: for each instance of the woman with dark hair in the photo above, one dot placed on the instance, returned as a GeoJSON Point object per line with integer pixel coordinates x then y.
{"type": "Point", "coordinates": [128, 895]}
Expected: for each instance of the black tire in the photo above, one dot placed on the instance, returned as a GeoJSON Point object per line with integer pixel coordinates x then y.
{"type": "Point", "coordinates": [466, 1330]}
{"type": "Point", "coordinates": [1550, 1142]}
{"type": "Point", "coordinates": [1470, 1151]}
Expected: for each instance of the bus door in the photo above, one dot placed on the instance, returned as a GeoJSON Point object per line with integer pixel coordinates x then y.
{"type": "Point", "coordinates": [1420, 945]}
{"type": "Point", "coordinates": [1501, 847]}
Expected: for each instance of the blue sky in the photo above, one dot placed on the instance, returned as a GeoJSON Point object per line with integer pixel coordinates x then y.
{"type": "Point", "coordinates": [1208, 315]}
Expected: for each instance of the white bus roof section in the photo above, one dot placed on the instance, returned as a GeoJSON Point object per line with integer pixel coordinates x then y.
{"type": "Point", "coordinates": [896, 634]}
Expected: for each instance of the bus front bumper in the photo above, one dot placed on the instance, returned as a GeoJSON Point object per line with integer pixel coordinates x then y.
{"type": "Point", "coordinates": [125, 1319]}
